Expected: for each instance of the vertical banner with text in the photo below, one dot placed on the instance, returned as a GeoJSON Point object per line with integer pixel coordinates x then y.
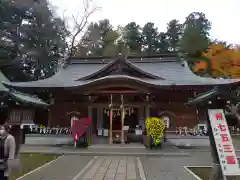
{"type": "Point", "coordinates": [226, 152]}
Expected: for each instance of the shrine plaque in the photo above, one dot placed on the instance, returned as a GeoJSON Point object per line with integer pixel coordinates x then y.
{"type": "Point", "coordinates": [226, 152]}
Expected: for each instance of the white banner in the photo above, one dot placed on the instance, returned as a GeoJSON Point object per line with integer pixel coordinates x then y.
{"type": "Point", "coordinates": [226, 152]}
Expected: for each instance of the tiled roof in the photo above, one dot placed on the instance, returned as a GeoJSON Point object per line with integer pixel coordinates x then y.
{"type": "Point", "coordinates": [3, 79]}
{"type": "Point", "coordinates": [24, 98]}
{"type": "Point", "coordinates": [173, 73]}
{"type": "Point", "coordinates": [28, 99]}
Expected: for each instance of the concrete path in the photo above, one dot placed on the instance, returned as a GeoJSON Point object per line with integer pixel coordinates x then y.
{"type": "Point", "coordinates": [75, 167]}
{"type": "Point", "coordinates": [125, 162]}
{"type": "Point", "coordinates": [64, 168]}
{"type": "Point", "coordinates": [107, 150]}
{"type": "Point", "coordinates": [172, 168]}
{"type": "Point", "coordinates": [72, 167]}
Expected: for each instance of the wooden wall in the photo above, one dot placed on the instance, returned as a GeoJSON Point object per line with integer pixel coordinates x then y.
{"type": "Point", "coordinates": [179, 114]}
{"type": "Point", "coordinates": [58, 113]}
{"type": "Point", "coordinates": [182, 115]}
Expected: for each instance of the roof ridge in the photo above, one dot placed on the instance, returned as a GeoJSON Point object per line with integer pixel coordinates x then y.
{"type": "Point", "coordinates": [136, 60]}
{"type": "Point", "coordinates": [170, 54]}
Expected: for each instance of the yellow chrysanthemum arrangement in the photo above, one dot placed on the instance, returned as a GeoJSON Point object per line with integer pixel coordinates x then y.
{"type": "Point", "coordinates": [155, 128]}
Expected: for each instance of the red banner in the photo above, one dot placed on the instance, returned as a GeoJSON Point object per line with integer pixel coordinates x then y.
{"type": "Point", "coordinates": [80, 126]}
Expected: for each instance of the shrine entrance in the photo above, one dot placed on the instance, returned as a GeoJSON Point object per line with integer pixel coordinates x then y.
{"type": "Point", "coordinates": [122, 124]}
{"type": "Point", "coordinates": [117, 122]}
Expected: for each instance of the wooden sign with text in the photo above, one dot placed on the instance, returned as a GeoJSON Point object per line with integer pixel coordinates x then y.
{"type": "Point", "coordinates": [226, 152]}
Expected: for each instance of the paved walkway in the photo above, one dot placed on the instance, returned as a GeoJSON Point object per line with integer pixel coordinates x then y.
{"type": "Point", "coordinates": [117, 162]}
{"type": "Point", "coordinates": [172, 168]}
{"type": "Point", "coordinates": [64, 168]}
{"type": "Point", "coordinates": [113, 168]}
{"type": "Point", "coordinates": [76, 167]}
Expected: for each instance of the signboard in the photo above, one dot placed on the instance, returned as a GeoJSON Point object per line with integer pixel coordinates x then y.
{"type": "Point", "coordinates": [166, 121]}
{"type": "Point", "coordinates": [226, 152]}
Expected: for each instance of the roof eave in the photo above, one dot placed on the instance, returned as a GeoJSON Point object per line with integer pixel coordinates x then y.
{"type": "Point", "coordinates": [203, 97]}
{"type": "Point", "coordinates": [27, 99]}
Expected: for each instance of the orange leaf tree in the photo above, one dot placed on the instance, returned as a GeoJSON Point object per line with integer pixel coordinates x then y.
{"type": "Point", "coordinates": [219, 61]}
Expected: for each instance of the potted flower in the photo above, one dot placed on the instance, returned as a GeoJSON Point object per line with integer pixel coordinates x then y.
{"type": "Point", "coordinates": [155, 131]}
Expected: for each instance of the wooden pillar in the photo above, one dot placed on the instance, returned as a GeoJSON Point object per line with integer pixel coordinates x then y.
{"type": "Point", "coordinates": [110, 129]}
{"type": "Point", "coordinates": [51, 119]}
{"type": "Point", "coordinates": [122, 125]}
{"type": "Point", "coordinates": [147, 111]}
{"type": "Point", "coordinates": [111, 119]}
{"type": "Point", "coordinates": [141, 117]}
{"type": "Point", "coordinates": [90, 111]}
{"type": "Point", "coordinates": [99, 117]}
{"type": "Point", "coordinates": [122, 119]}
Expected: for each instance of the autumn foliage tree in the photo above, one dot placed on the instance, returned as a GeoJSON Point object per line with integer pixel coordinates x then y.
{"type": "Point", "coordinates": [219, 61]}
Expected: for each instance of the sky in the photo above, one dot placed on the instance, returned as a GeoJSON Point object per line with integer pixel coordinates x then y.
{"type": "Point", "coordinates": [224, 14]}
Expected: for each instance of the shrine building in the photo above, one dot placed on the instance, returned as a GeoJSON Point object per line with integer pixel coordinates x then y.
{"type": "Point", "coordinates": [125, 91]}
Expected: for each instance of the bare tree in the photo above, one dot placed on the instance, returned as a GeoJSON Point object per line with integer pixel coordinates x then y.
{"type": "Point", "coordinates": [79, 26]}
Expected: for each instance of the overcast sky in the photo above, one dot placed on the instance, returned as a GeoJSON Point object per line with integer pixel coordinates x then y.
{"type": "Point", "coordinates": [224, 14]}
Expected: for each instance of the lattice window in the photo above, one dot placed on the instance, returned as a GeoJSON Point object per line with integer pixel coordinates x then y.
{"type": "Point", "coordinates": [21, 116]}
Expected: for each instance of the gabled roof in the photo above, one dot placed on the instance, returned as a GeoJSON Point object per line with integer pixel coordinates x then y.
{"type": "Point", "coordinates": [118, 65]}
{"type": "Point", "coordinates": [18, 96]}
{"type": "Point", "coordinates": [165, 71]}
